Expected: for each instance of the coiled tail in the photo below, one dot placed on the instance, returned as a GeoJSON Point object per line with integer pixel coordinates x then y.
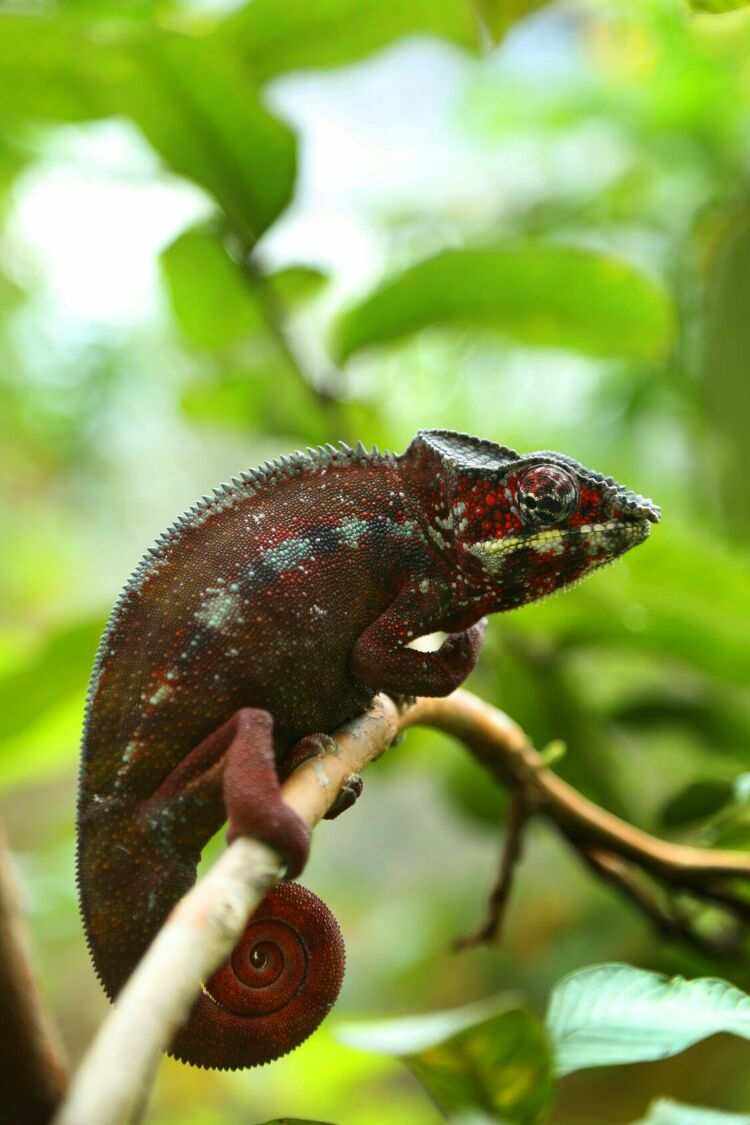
{"type": "Point", "coordinates": [282, 977]}
{"type": "Point", "coordinates": [279, 983]}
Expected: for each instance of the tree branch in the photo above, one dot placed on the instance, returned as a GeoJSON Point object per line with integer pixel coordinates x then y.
{"type": "Point", "coordinates": [32, 1072]}
{"type": "Point", "coordinates": [206, 924]}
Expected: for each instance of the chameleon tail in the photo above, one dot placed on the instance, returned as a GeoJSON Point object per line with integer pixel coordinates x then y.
{"type": "Point", "coordinates": [281, 980]}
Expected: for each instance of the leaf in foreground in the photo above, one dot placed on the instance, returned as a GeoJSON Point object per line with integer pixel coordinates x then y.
{"type": "Point", "coordinates": [613, 1013]}
{"type": "Point", "coordinates": [275, 36]}
{"type": "Point", "coordinates": [475, 1065]}
{"type": "Point", "coordinates": [667, 1112]}
{"type": "Point", "coordinates": [535, 293]}
{"type": "Point", "coordinates": [296, 1121]}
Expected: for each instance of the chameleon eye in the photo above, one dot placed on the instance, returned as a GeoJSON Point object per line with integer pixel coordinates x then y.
{"type": "Point", "coordinates": [546, 495]}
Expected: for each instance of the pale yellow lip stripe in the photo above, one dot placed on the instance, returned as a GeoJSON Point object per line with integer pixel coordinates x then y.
{"type": "Point", "coordinates": [553, 539]}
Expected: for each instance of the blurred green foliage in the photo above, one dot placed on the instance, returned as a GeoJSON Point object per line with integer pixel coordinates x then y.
{"type": "Point", "coordinates": [581, 284]}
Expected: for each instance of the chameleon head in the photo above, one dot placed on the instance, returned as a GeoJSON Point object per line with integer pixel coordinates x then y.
{"type": "Point", "coordinates": [523, 526]}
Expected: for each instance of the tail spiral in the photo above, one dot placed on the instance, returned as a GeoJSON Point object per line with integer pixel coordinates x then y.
{"type": "Point", "coordinates": [281, 980]}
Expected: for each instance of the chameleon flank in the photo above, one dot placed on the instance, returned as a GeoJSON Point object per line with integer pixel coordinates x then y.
{"type": "Point", "coordinates": [265, 617]}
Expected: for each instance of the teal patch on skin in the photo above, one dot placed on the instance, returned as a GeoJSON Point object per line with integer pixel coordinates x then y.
{"type": "Point", "coordinates": [218, 610]}
{"type": "Point", "coordinates": [287, 554]}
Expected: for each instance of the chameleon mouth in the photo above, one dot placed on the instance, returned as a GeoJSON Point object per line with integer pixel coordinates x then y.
{"type": "Point", "coordinates": [608, 538]}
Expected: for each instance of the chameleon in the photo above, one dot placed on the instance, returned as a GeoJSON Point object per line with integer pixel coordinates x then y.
{"type": "Point", "coordinates": [265, 617]}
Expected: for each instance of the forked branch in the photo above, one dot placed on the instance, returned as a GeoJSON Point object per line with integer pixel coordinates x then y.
{"type": "Point", "coordinates": [203, 928]}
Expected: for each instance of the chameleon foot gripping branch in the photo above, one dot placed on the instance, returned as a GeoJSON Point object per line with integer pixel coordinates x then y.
{"type": "Point", "coordinates": [264, 618]}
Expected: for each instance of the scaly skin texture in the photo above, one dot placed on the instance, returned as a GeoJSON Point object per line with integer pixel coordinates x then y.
{"type": "Point", "coordinates": [260, 621]}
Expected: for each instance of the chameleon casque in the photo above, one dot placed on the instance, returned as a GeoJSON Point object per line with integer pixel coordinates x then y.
{"type": "Point", "coordinates": [262, 619]}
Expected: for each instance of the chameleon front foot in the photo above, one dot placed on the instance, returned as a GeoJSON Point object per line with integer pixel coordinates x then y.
{"type": "Point", "coordinates": [318, 746]}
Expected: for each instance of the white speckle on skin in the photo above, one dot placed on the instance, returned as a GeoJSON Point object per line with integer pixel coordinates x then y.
{"type": "Point", "coordinates": [218, 609]}
{"type": "Point", "coordinates": [160, 695]}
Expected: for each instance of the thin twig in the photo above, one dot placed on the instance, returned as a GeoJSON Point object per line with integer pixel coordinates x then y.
{"type": "Point", "coordinates": [274, 316]}
{"type": "Point", "coordinates": [500, 895]}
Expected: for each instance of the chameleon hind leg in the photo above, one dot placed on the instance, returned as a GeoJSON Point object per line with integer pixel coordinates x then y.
{"type": "Point", "coordinates": [284, 973]}
{"type": "Point", "coordinates": [234, 770]}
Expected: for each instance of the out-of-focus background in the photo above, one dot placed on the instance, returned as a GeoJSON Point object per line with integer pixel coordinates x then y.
{"type": "Point", "coordinates": [210, 214]}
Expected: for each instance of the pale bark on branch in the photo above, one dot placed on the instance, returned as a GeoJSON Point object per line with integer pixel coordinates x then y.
{"type": "Point", "coordinates": [113, 1080]}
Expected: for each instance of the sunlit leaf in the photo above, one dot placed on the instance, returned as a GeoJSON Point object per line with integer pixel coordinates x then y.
{"type": "Point", "coordinates": [499, 15]}
{"type": "Point", "coordinates": [666, 1112]}
{"type": "Point", "coordinates": [274, 36]}
{"type": "Point", "coordinates": [542, 294]}
{"type": "Point", "coordinates": [495, 1066]}
{"type": "Point", "coordinates": [213, 303]}
{"type": "Point", "coordinates": [60, 667]}
{"type": "Point", "coordinates": [190, 96]}
{"type": "Point", "coordinates": [54, 70]}
{"type": "Point", "coordinates": [609, 1014]}
{"type": "Point", "coordinates": [295, 284]}
{"type": "Point", "coordinates": [46, 745]}
{"type": "Point", "coordinates": [198, 109]}
{"type": "Point", "coordinates": [405, 1035]}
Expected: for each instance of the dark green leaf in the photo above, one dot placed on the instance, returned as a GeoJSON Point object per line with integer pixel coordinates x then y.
{"type": "Point", "coordinates": [196, 106]}
{"type": "Point", "coordinates": [547, 295]}
{"type": "Point", "coordinates": [60, 667]}
{"type": "Point", "coordinates": [296, 1121]}
{"type": "Point", "coordinates": [274, 36]}
{"type": "Point", "coordinates": [717, 7]}
{"type": "Point", "coordinates": [667, 1112]}
{"type": "Point", "coordinates": [498, 1067]}
{"type": "Point", "coordinates": [212, 301]}
{"type": "Point", "coordinates": [498, 16]}
{"type": "Point", "coordinates": [609, 1014]}
{"type": "Point", "coordinates": [189, 95]}
{"type": "Point", "coordinates": [697, 615]}
{"type": "Point", "coordinates": [696, 801]}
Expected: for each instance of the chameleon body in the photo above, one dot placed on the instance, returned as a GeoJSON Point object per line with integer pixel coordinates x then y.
{"type": "Point", "coordinates": [260, 621]}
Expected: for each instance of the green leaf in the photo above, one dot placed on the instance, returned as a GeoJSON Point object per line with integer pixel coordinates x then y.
{"type": "Point", "coordinates": [475, 1066]}
{"type": "Point", "coordinates": [667, 1112]}
{"type": "Point", "coordinates": [498, 16]}
{"type": "Point", "coordinates": [190, 96]}
{"type": "Point", "coordinates": [59, 668]}
{"type": "Point", "coordinates": [613, 1013]}
{"type": "Point", "coordinates": [196, 106]}
{"type": "Point", "coordinates": [296, 1121]}
{"type": "Point", "coordinates": [535, 293]}
{"type": "Point", "coordinates": [652, 601]}
{"type": "Point", "coordinates": [251, 399]}
{"type": "Point", "coordinates": [293, 285]}
{"type": "Point", "coordinates": [213, 303]}
{"type": "Point", "coordinates": [717, 7]}
{"type": "Point", "coordinates": [697, 800]}
{"type": "Point", "coordinates": [53, 70]}
{"type": "Point", "coordinates": [274, 36]}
